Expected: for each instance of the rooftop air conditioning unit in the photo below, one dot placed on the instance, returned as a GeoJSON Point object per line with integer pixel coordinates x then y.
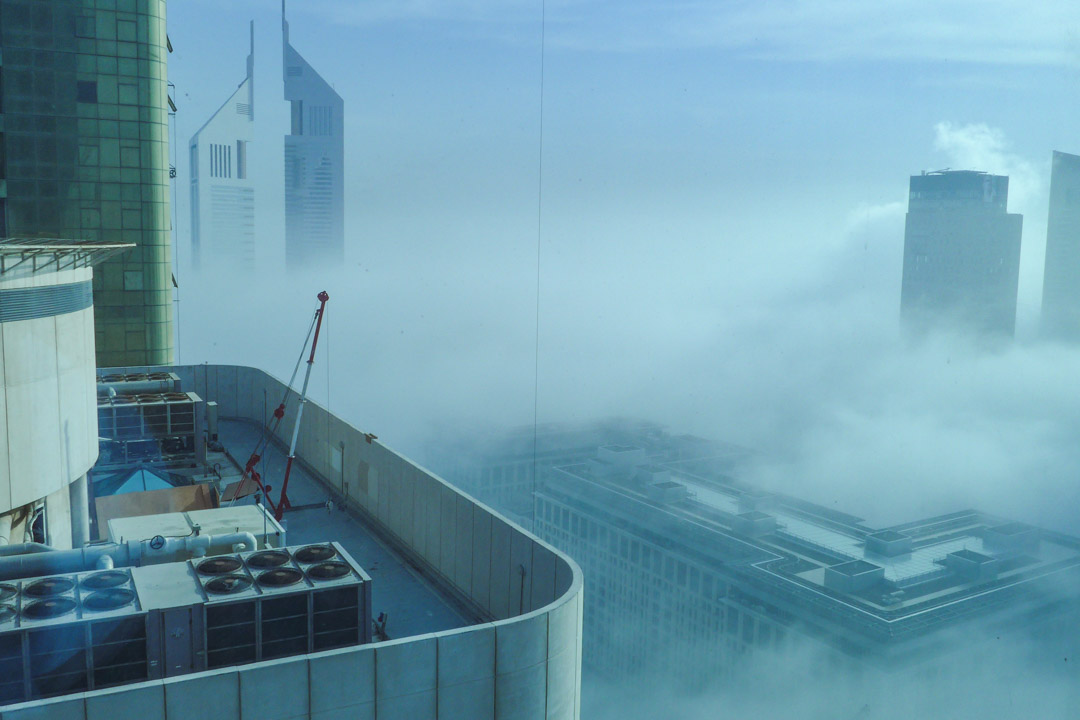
{"type": "Point", "coordinates": [131, 383]}
{"type": "Point", "coordinates": [84, 631]}
{"type": "Point", "coordinates": [70, 633]}
{"type": "Point", "coordinates": [261, 605]}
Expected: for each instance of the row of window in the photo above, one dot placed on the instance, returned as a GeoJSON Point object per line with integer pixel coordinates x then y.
{"type": "Point", "coordinates": [221, 160]}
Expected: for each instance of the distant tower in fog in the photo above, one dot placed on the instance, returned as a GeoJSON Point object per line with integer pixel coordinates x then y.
{"type": "Point", "coordinates": [961, 254]}
{"type": "Point", "coordinates": [1061, 277]}
{"type": "Point", "coordinates": [222, 192]}
{"type": "Point", "coordinates": [314, 165]}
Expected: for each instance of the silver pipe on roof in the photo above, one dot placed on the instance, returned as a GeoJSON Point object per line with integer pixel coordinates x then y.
{"type": "Point", "coordinates": [35, 562]}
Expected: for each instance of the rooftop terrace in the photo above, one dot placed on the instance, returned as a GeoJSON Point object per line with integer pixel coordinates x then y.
{"type": "Point", "coordinates": [485, 619]}
{"type": "Point", "coordinates": [907, 574]}
{"type": "Point", "coordinates": [414, 604]}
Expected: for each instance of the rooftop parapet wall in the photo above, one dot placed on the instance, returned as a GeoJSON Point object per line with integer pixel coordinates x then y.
{"type": "Point", "coordinates": [526, 663]}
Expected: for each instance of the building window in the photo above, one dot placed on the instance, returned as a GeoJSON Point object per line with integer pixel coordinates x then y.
{"type": "Point", "coordinates": [220, 161]}
{"type": "Point", "coordinates": [86, 91]}
{"type": "Point", "coordinates": [84, 27]}
{"type": "Point", "coordinates": [241, 159]}
{"type": "Point", "coordinates": [320, 120]}
{"type": "Point", "coordinates": [297, 117]}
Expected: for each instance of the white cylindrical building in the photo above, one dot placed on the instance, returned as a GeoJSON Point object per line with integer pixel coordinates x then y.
{"type": "Point", "coordinates": [48, 389]}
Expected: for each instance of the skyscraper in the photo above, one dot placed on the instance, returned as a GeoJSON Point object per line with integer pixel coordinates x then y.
{"type": "Point", "coordinates": [1061, 277]}
{"type": "Point", "coordinates": [222, 191]}
{"type": "Point", "coordinates": [961, 254]}
{"type": "Point", "coordinates": [314, 164]}
{"type": "Point", "coordinates": [85, 146]}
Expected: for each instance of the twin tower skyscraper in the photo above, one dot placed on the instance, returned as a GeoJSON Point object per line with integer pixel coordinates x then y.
{"type": "Point", "coordinates": [962, 253]}
{"type": "Point", "coordinates": [223, 189]}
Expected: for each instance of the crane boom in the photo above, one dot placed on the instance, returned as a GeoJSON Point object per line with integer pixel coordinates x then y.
{"type": "Point", "coordinates": [283, 501]}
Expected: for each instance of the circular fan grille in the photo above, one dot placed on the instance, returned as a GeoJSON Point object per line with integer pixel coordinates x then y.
{"type": "Point", "coordinates": [7, 592]}
{"type": "Point", "coordinates": [315, 553]}
{"type": "Point", "coordinates": [109, 599]}
{"type": "Point", "coordinates": [107, 579]}
{"type": "Point", "coordinates": [328, 570]}
{"type": "Point", "coordinates": [49, 587]}
{"type": "Point", "coordinates": [219, 565]}
{"type": "Point", "coordinates": [7, 612]}
{"type": "Point", "coordinates": [50, 608]}
{"type": "Point", "coordinates": [280, 577]}
{"type": "Point", "coordinates": [268, 559]}
{"type": "Point", "coordinates": [227, 584]}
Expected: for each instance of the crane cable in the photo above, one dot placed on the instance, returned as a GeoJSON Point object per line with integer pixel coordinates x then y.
{"type": "Point", "coordinates": [268, 430]}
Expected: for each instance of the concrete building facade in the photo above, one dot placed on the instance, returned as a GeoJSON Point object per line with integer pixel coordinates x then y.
{"type": "Point", "coordinates": [314, 164]}
{"type": "Point", "coordinates": [961, 254]}
{"type": "Point", "coordinates": [222, 189]}
{"type": "Point", "coordinates": [48, 413]}
{"type": "Point", "coordinates": [1061, 276]}
{"type": "Point", "coordinates": [680, 563]}
{"type": "Point", "coordinates": [85, 154]}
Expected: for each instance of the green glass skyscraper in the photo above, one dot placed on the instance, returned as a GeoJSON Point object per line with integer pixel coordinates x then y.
{"type": "Point", "coordinates": [85, 154]}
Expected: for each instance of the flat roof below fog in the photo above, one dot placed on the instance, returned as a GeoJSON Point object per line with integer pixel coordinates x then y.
{"type": "Point", "coordinates": [414, 606]}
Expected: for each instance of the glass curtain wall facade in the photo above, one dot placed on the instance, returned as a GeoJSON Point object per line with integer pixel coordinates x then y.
{"type": "Point", "coordinates": [1061, 276]}
{"type": "Point", "coordinates": [314, 165]}
{"type": "Point", "coordinates": [961, 254]}
{"type": "Point", "coordinates": [85, 154]}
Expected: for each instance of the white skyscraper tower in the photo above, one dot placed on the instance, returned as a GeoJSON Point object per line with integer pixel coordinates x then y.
{"type": "Point", "coordinates": [222, 193]}
{"type": "Point", "coordinates": [314, 164]}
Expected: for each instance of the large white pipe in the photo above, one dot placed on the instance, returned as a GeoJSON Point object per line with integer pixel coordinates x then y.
{"type": "Point", "coordinates": [133, 552]}
{"type": "Point", "coordinates": [195, 545]}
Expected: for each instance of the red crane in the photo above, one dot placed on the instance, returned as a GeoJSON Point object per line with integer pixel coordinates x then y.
{"type": "Point", "coordinates": [283, 504]}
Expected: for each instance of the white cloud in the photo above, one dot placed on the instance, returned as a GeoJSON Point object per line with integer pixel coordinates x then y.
{"type": "Point", "coordinates": [983, 31]}
{"type": "Point", "coordinates": [981, 147]}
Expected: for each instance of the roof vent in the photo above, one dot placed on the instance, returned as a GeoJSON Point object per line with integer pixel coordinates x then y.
{"type": "Point", "coordinates": [49, 587]}
{"type": "Point", "coordinates": [314, 554]}
{"type": "Point", "coordinates": [888, 543]}
{"type": "Point", "coordinates": [49, 608]}
{"type": "Point", "coordinates": [227, 584]}
{"type": "Point", "coordinates": [617, 460]}
{"type": "Point", "coordinates": [331, 570]}
{"type": "Point", "coordinates": [666, 491]}
{"type": "Point", "coordinates": [853, 576]}
{"type": "Point", "coordinates": [109, 599]}
{"type": "Point", "coordinates": [972, 566]}
{"type": "Point", "coordinates": [754, 523]}
{"type": "Point", "coordinates": [1014, 537]}
{"type": "Point", "coordinates": [268, 559]}
{"type": "Point", "coordinates": [221, 565]}
{"type": "Point", "coordinates": [106, 579]}
{"type": "Point", "coordinates": [280, 577]}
